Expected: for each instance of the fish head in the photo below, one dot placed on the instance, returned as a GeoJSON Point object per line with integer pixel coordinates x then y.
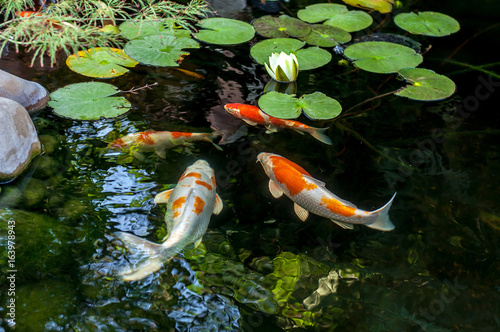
{"type": "Point", "coordinates": [265, 159]}
{"type": "Point", "coordinates": [124, 141]}
{"type": "Point", "coordinates": [233, 108]}
{"type": "Point", "coordinates": [200, 169]}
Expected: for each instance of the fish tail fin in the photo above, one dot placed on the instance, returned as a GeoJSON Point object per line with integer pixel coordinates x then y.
{"type": "Point", "coordinates": [211, 137]}
{"type": "Point", "coordinates": [145, 257]}
{"type": "Point", "coordinates": [381, 221]}
{"type": "Point", "coordinates": [319, 134]}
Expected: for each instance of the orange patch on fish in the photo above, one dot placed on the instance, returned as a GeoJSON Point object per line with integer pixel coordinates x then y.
{"type": "Point", "coordinates": [146, 138]}
{"type": "Point", "coordinates": [118, 143]}
{"type": "Point", "coordinates": [176, 134]}
{"type": "Point", "coordinates": [204, 184]}
{"type": "Point", "coordinates": [337, 207]}
{"type": "Point", "coordinates": [177, 204]}
{"type": "Point", "coordinates": [192, 174]}
{"type": "Point", "coordinates": [199, 204]}
{"type": "Point", "coordinates": [291, 175]}
{"type": "Point", "coordinates": [249, 112]}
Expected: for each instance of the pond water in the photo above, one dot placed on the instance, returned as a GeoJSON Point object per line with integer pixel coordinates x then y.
{"type": "Point", "coordinates": [259, 267]}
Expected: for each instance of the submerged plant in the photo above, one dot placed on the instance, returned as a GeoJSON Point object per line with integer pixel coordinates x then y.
{"type": "Point", "coordinates": [70, 26]}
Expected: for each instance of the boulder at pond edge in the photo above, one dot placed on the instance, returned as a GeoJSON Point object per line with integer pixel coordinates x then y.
{"type": "Point", "coordinates": [19, 141]}
{"type": "Point", "coordinates": [31, 95]}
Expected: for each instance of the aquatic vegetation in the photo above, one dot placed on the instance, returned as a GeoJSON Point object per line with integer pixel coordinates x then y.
{"type": "Point", "coordinates": [283, 67]}
{"type": "Point", "coordinates": [382, 6]}
{"type": "Point", "coordinates": [100, 62]}
{"type": "Point", "coordinates": [425, 85]}
{"type": "Point", "coordinates": [336, 15]}
{"type": "Point", "coordinates": [224, 31]}
{"type": "Point", "coordinates": [87, 101]}
{"type": "Point", "coordinates": [427, 23]}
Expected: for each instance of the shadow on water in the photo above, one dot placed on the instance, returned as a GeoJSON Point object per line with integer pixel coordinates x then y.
{"type": "Point", "coordinates": [259, 267]}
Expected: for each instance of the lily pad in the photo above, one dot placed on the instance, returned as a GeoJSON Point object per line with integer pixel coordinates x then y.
{"type": "Point", "coordinates": [308, 58]}
{"type": "Point", "coordinates": [224, 31]}
{"type": "Point", "coordinates": [280, 27]}
{"type": "Point", "coordinates": [316, 106]}
{"type": "Point", "coordinates": [427, 23]}
{"type": "Point", "coordinates": [100, 62]}
{"type": "Point", "coordinates": [326, 36]}
{"type": "Point", "coordinates": [88, 101]}
{"type": "Point", "coordinates": [159, 50]}
{"type": "Point", "coordinates": [138, 29]}
{"type": "Point", "coordinates": [425, 85]}
{"type": "Point", "coordinates": [382, 57]}
{"type": "Point", "coordinates": [382, 6]}
{"type": "Point", "coordinates": [336, 15]}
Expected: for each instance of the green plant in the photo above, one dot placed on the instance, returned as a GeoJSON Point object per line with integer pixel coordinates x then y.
{"type": "Point", "coordinates": [70, 26]}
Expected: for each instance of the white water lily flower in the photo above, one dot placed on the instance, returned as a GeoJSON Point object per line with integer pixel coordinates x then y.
{"type": "Point", "coordinates": [283, 67]}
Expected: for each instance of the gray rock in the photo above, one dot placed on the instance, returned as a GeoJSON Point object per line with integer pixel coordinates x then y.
{"type": "Point", "coordinates": [19, 141]}
{"type": "Point", "coordinates": [31, 95]}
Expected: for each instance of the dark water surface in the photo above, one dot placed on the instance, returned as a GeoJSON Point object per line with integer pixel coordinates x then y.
{"type": "Point", "coordinates": [259, 267]}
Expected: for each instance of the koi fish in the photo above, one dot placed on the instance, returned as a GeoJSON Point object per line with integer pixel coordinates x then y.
{"type": "Point", "coordinates": [159, 141]}
{"type": "Point", "coordinates": [310, 195]}
{"type": "Point", "coordinates": [27, 13]}
{"type": "Point", "coordinates": [189, 208]}
{"type": "Point", "coordinates": [254, 116]}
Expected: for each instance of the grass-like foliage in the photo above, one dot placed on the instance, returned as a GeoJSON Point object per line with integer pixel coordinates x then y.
{"type": "Point", "coordinates": [70, 26]}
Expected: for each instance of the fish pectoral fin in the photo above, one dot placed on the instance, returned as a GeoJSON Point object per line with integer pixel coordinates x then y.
{"type": "Point", "coordinates": [302, 213]}
{"type": "Point", "coordinates": [139, 155]}
{"type": "Point", "coordinates": [271, 129]}
{"type": "Point", "coordinates": [275, 189]}
{"type": "Point", "coordinates": [197, 243]}
{"type": "Point", "coordinates": [344, 225]}
{"type": "Point", "coordinates": [162, 153]}
{"type": "Point", "coordinates": [218, 205]}
{"type": "Point", "coordinates": [163, 197]}
{"type": "Point", "coordinates": [250, 122]}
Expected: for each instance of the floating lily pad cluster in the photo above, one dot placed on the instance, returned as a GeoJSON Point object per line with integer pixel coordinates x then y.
{"type": "Point", "coordinates": [316, 28]}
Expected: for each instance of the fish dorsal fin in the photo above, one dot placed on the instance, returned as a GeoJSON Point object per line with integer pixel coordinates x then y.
{"type": "Point", "coordinates": [218, 205]}
{"type": "Point", "coordinates": [250, 122]}
{"type": "Point", "coordinates": [300, 212]}
{"type": "Point", "coordinates": [344, 225]}
{"type": "Point", "coordinates": [313, 180]}
{"type": "Point", "coordinates": [163, 197]}
{"type": "Point", "coordinates": [275, 189]}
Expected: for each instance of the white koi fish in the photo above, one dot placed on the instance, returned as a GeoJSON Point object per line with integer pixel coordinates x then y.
{"type": "Point", "coordinates": [254, 116]}
{"type": "Point", "coordinates": [310, 195]}
{"type": "Point", "coordinates": [159, 141]}
{"type": "Point", "coordinates": [189, 207]}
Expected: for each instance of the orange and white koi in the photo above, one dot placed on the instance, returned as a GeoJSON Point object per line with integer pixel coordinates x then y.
{"type": "Point", "coordinates": [159, 141]}
{"type": "Point", "coordinates": [310, 195]}
{"type": "Point", "coordinates": [254, 116]}
{"type": "Point", "coordinates": [189, 208]}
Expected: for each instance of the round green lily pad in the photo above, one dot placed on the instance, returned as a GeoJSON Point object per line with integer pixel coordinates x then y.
{"type": "Point", "coordinates": [382, 57]}
{"type": "Point", "coordinates": [88, 101]}
{"type": "Point", "coordinates": [326, 36]}
{"type": "Point", "coordinates": [382, 6]}
{"type": "Point", "coordinates": [100, 62]}
{"type": "Point", "coordinates": [224, 31]}
{"type": "Point", "coordinates": [317, 105]}
{"type": "Point", "coordinates": [308, 58]}
{"type": "Point", "coordinates": [280, 27]}
{"type": "Point", "coordinates": [312, 57]}
{"type": "Point", "coordinates": [425, 85]}
{"type": "Point", "coordinates": [159, 50]}
{"type": "Point", "coordinates": [138, 29]}
{"type": "Point", "coordinates": [279, 105]}
{"type": "Point", "coordinates": [336, 15]}
{"type": "Point", "coordinates": [427, 23]}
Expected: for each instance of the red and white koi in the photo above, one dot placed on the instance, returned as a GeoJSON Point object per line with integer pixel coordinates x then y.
{"type": "Point", "coordinates": [254, 116]}
{"type": "Point", "coordinates": [189, 208]}
{"type": "Point", "coordinates": [310, 195]}
{"type": "Point", "coordinates": [159, 141]}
